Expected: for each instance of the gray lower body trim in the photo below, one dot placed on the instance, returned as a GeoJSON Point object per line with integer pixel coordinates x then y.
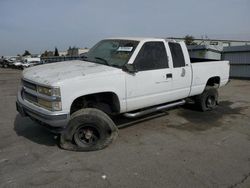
{"type": "Point", "coordinates": [45, 116]}
{"type": "Point", "coordinates": [54, 120]}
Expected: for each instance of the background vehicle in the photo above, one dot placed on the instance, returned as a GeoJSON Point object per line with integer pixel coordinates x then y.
{"type": "Point", "coordinates": [1, 62]}
{"type": "Point", "coordinates": [18, 64]}
{"type": "Point", "coordinates": [5, 63]}
{"type": "Point", "coordinates": [128, 76]}
{"type": "Point", "coordinates": [27, 64]}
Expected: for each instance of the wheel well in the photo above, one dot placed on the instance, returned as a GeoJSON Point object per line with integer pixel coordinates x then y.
{"type": "Point", "coordinates": [214, 81]}
{"type": "Point", "coordinates": [105, 101]}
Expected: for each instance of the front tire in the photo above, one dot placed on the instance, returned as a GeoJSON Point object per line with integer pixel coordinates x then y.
{"type": "Point", "coordinates": [208, 100]}
{"type": "Point", "coordinates": [89, 129]}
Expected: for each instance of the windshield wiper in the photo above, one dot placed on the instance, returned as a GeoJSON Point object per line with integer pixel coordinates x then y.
{"type": "Point", "coordinates": [102, 59]}
{"type": "Point", "coordinates": [117, 66]}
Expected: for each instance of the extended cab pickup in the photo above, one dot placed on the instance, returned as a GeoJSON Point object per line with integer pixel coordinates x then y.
{"type": "Point", "coordinates": [129, 76]}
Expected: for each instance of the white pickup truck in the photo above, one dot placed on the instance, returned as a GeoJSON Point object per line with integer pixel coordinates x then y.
{"type": "Point", "coordinates": [129, 76]}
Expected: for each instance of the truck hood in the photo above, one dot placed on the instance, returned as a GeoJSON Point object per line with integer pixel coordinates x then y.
{"type": "Point", "coordinates": [54, 73]}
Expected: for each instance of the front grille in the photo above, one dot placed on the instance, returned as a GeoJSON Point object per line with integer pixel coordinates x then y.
{"type": "Point", "coordinates": [29, 85]}
{"type": "Point", "coordinates": [29, 97]}
{"type": "Point", "coordinates": [30, 94]}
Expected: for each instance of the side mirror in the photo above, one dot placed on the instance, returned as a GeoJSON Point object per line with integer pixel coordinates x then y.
{"type": "Point", "coordinates": [130, 68]}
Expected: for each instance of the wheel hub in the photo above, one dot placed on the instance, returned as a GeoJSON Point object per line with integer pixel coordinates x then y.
{"type": "Point", "coordinates": [88, 134]}
{"type": "Point", "coordinates": [210, 101]}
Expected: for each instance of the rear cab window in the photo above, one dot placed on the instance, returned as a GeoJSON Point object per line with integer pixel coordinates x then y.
{"type": "Point", "coordinates": [177, 55]}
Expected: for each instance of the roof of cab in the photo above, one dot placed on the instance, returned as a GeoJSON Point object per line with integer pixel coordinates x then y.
{"type": "Point", "coordinates": [136, 38]}
{"type": "Point", "coordinates": [142, 39]}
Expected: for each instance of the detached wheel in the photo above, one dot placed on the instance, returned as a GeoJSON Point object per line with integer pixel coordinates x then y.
{"type": "Point", "coordinates": [88, 130]}
{"type": "Point", "coordinates": [208, 100]}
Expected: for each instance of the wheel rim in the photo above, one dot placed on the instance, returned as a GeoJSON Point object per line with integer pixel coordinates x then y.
{"type": "Point", "coordinates": [87, 135]}
{"type": "Point", "coordinates": [210, 102]}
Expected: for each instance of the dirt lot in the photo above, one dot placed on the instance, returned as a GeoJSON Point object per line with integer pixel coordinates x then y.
{"type": "Point", "coordinates": [183, 148]}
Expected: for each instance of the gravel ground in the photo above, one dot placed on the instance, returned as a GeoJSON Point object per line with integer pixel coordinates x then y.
{"type": "Point", "coordinates": [183, 148]}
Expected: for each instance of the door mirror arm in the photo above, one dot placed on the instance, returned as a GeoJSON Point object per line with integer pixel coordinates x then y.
{"type": "Point", "coordinates": [130, 68]}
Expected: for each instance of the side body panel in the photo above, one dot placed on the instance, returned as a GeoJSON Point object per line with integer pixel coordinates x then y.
{"type": "Point", "coordinates": [182, 76]}
{"type": "Point", "coordinates": [150, 87]}
{"type": "Point", "coordinates": [114, 83]}
{"type": "Point", "coordinates": [205, 70]}
{"type": "Point", "coordinates": [153, 87]}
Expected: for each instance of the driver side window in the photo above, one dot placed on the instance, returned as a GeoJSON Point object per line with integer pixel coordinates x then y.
{"type": "Point", "coordinates": [152, 56]}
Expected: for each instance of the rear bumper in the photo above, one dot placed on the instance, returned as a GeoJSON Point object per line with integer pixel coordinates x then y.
{"type": "Point", "coordinates": [50, 119]}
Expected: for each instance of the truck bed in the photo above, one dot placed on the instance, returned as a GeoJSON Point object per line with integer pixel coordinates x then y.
{"type": "Point", "coordinates": [207, 69]}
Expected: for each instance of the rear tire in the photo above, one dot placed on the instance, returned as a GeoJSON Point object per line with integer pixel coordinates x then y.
{"type": "Point", "coordinates": [89, 129]}
{"type": "Point", "coordinates": [208, 100]}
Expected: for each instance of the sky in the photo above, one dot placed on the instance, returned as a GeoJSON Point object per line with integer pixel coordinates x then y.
{"type": "Point", "coordinates": [39, 25]}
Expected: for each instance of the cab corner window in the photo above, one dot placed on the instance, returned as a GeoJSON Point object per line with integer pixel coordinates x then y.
{"type": "Point", "coordinates": [177, 55]}
{"type": "Point", "coordinates": [152, 56]}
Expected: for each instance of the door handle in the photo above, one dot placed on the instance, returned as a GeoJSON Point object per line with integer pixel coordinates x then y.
{"type": "Point", "coordinates": [183, 72]}
{"type": "Point", "coordinates": [169, 75]}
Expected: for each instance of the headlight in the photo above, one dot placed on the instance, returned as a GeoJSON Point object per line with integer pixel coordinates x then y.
{"type": "Point", "coordinates": [50, 105]}
{"type": "Point", "coordinates": [49, 91]}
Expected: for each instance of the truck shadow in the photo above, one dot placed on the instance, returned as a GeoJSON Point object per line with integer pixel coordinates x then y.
{"type": "Point", "coordinates": [197, 121]}
{"type": "Point", "coordinates": [27, 128]}
{"type": "Point", "coordinates": [201, 121]}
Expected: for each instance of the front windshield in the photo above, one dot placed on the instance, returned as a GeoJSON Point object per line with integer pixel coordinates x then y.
{"type": "Point", "coordinates": [114, 53]}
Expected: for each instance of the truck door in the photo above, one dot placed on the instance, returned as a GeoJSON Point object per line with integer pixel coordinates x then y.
{"type": "Point", "coordinates": [151, 85]}
{"type": "Point", "coordinates": [182, 73]}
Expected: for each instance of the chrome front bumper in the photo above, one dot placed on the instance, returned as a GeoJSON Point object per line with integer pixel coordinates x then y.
{"type": "Point", "coordinates": [54, 119]}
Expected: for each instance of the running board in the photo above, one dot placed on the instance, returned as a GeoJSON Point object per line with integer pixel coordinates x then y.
{"type": "Point", "coordinates": [154, 109]}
